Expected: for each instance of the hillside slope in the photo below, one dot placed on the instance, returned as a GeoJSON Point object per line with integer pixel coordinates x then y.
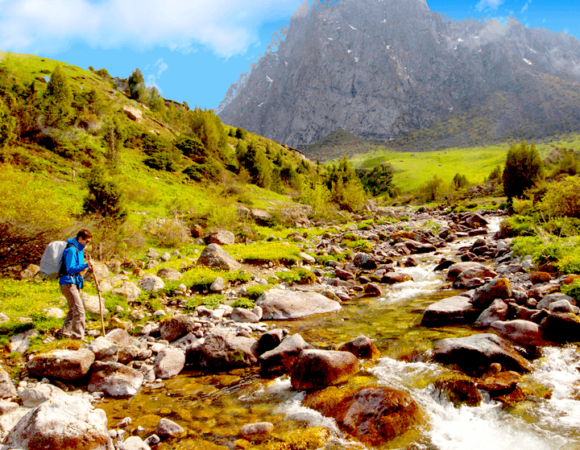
{"type": "Point", "coordinates": [382, 70]}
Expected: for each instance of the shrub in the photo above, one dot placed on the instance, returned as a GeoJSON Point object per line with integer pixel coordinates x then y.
{"type": "Point", "coordinates": [523, 169]}
{"type": "Point", "coordinates": [211, 171]}
{"type": "Point", "coordinates": [170, 233]}
{"type": "Point", "coordinates": [105, 196]}
{"type": "Point", "coordinates": [58, 99]}
{"type": "Point", "coordinates": [243, 302]}
{"type": "Point", "coordinates": [379, 180]}
{"type": "Point", "coordinates": [563, 198]}
{"type": "Point", "coordinates": [192, 147]}
{"type": "Point", "coordinates": [318, 196]}
{"type": "Point", "coordinates": [298, 276]}
{"type": "Point", "coordinates": [137, 89]}
{"type": "Point", "coordinates": [573, 290]}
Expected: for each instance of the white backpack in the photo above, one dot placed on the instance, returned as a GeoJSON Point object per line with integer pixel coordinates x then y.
{"type": "Point", "coordinates": [52, 258]}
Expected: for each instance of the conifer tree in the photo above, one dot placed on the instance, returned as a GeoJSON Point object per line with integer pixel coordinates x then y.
{"type": "Point", "coordinates": [105, 196]}
{"type": "Point", "coordinates": [137, 89]}
{"type": "Point", "coordinates": [58, 99]}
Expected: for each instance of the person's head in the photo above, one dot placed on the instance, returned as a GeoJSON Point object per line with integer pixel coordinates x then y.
{"type": "Point", "coordinates": [84, 237]}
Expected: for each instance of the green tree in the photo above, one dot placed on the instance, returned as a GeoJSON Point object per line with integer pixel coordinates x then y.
{"type": "Point", "coordinates": [379, 180]}
{"type": "Point", "coordinates": [460, 181]}
{"type": "Point", "coordinates": [208, 128]}
{"type": "Point", "coordinates": [105, 196]}
{"type": "Point", "coordinates": [154, 100]}
{"type": "Point", "coordinates": [523, 169]}
{"type": "Point", "coordinates": [191, 147]}
{"type": "Point", "coordinates": [7, 121]}
{"type": "Point", "coordinates": [137, 89]}
{"type": "Point", "coordinates": [58, 99]}
{"type": "Point", "coordinates": [114, 138]}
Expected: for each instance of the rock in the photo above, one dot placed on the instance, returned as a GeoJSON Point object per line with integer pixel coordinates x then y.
{"type": "Point", "coordinates": [561, 327]}
{"type": "Point", "coordinates": [475, 220]}
{"type": "Point", "coordinates": [128, 354]}
{"type": "Point", "coordinates": [498, 310]}
{"type": "Point", "coordinates": [134, 443]}
{"type": "Point", "coordinates": [540, 277]}
{"type": "Point", "coordinates": [562, 306]}
{"type": "Point", "coordinates": [133, 113]}
{"type": "Point", "coordinates": [474, 354]}
{"type": "Point", "coordinates": [222, 350]}
{"type": "Point", "coordinates": [278, 304]}
{"type": "Point", "coordinates": [270, 340]}
{"type": "Point", "coordinates": [10, 415]}
{"type": "Point", "coordinates": [21, 341]}
{"type": "Point", "coordinates": [218, 285]}
{"type": "Point", "coordinates": [281, 359]}
{"type": "Point", "coordinates": [92, 304]}
{"type": "Point", "coordinates": [570, 279]}
{"type": "Point", "coordinates": [522, 332]}
{"type": "Point", "coordinates": [458, 389]}
{"type": "Point", "coordinates": [54, 313]}
{"type": "Point", "coordinates": [33, 397]}
{"type": "Point", "coordinates": [165, 257]}
{"type": "Point", "coordinates": [449, 311]}
{"type": "Point", "coordinates": [30, 272]}
{"type": "Point", "coordinates": [7, 389]}
{"type": "Point", "coordinates": [485, 295]}
{"type": "Point", "coordinates": [64, 423]}
{"type": "Point", "coordinates": [4, 318]}
{"type": "Point", "coordinates": [167, 429]}
{"type": "Point", "coordinates": [103, 348]}
{"type": "Point", "coordinates": [169, 363]}
{"type": "Point", "coordinates": [119, 337]}
{"type": "Point", "coordinates": [317, 369]}
{"type": "Point", "coordinates": [396, 277]}
{"type": "Point", "coordinates": [552, 298]}
{"type": "Point", "coordinates": [306, 257]}
{"type": "Point", "coordinates": [251, 430]}
{"type": "Point", "coordinates": [244, 315]}
{"type": "Point", "coordinates": [362, 347]}
{"type": "Point", "coordinates": [115, 380]}
{"type": "Point", "coordinates": [343, 274]}
{"type": "Point", "coordinates": [217, 258]}
{"type": "Point", "coordinates": [261, 217]}
{"type": "Point", "coordinates": [500, 384]}
{"type": "Point", "coordinates": [445, 264]}
{"type": "Point", "coordinates": [466, 279]}
{"type": "Point", "coordinates": [222, 238]}
{"type": "Point", "coordinates": [169, 274]}
{"type": "Point", "coordinates": [457, 269]}
{"type": "Point", "coordinates": [373, 290]}
{"type": "Point", "coordinates": [177, 327]}
{"type": "Point", "coordinates": [151, 283]}
{"type": "Point", "coordinates": [62, 364]}
{"type": "Point", "coordinates": [184, 342]}
{"type": "Point", "coordinates": [374, 415]}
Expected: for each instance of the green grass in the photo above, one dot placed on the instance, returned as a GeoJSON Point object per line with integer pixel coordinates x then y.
{"type": "Point", "coordinates": [243, 302]}
{"type": "Point", "coordinates": [299, 275]}
{"type": "Point", "coordinates": [281, 252]}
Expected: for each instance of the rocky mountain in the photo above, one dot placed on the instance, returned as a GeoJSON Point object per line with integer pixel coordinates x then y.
{"type": "Point", "coordinates": [383, 69]}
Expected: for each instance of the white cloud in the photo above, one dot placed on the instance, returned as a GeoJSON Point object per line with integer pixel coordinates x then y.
{"type": "Point", "coordinates": [489, 4]}
{"type": "Point", "coordinates": [526, 6]}
{"type": "Point", "coordinates": [158, 68]}
{"type": "Point", "coordinates": [227, 27]}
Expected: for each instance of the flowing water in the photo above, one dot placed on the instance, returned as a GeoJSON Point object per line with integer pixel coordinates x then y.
{"type": "Point", "coordinates": [214, 407]}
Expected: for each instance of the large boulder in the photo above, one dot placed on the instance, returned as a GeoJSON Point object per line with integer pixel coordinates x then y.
{"type": "Point", "coordinates": [458, 389]}
{"type": "Point", "coordinates": [7, 389]}
{"type": "Point", "coordinates": [64, 423]}
{"type": "Point", "coordinates": [133, 113]}
{"type": "Point", "coordinates": [217, 258]}
{"type": "Point", "coordinates": [169, 362]}
{"type": "Point", "coordinates": [128, 290]}
{"type": "Point", "coordinates": [553, 298]}
{"type": "Point", "coordinates": [362, 347]}
{"type": "Point", "coordinates": [561, 327]}
{"type": "Point", "coordinates": [471, 269]}
{"type": "Point", "coordinates": [244, 315]}
{"type": "Point", "coordinates": [396, 277]}
{"type": "Point", "coordinates": [498, 310]}
{"type": "Point", "coordinates": [282, 358]}
{"type": "Point", "coordinates": [317, 369]}
{"type": "Point", "coordinates": [522, 332]}
{"type": "Point", "coordinates": [473, 277]}
{"type": "Point", "coordinates": [374, 415]}
{"type": "Point", "coordinates": [103, 348]}
{"type": "Point", "coordinates": [10, 415]}
{"type": "Point", "coordinates": [278, 304]}
{"type": "Point", "coordinates": [270, 340]}
{"type": "Point", "coordinates": [474, 354]}
{"type": "Point", "coordinates": [169, 274]}
{"type": "Point", "coordinates": [134, 443]}
{"type": "Point", "coordinates": [485, 295]}
{"type": "Point", "coordinates": [35, 396]}
{"type": "Point", "coordinates": [115, 380]}
{"type": "Point", "coordinates": [151, 283]}
{"type": "Point", "coordinates": [92, 304]}
{"type": "Point", "coordinates": [168, 429]}
{"type": "Point", "coordinates": [449, 311]}
{"type": "Point", "coordinates": [119, 337]}
{"type": "Point", "coordinates": [222, 350]}
{"type": "Point", "coordinates": [222, 238]}
{"type": "Point", "coordinates": [177, 327]}
{"type": "Point", "coordinates": [62, 364]}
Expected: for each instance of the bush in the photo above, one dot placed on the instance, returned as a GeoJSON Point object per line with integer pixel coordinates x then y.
{"type": "Point", "coordinates": [137, 89]}
{"type": "Point", "coordinates": [170, 233]}
{"type": "Point", "coordinates": [58, 99]}
{"type": "Point", "coordinates": [298, 276]}
{"type": "Point", "coordinates": [378, 180]}
{"type": "Point", "coordinates": [318, 196]}
{"type": "Point", "coordinates": [523, 169]}
{"type": "Point", "coordinates": [105, 196]}
{"type": "Point", "coordinates": [161, 161]}
{"type": "Point", "coordinates": [211, 171]}
{"type": "Point", "coordinates": [563, 198]}
{"type": "Point", "coordinates": [573, 290]}
{"type": "Point", "coordinates": [243, 302]}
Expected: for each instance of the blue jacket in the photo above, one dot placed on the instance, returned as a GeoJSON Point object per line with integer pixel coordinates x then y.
{"type": "Point", "coordinates": [75, 263]}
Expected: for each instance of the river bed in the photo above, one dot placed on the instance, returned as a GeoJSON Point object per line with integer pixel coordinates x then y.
{"type": "Point", "coordinates": [214, 407]}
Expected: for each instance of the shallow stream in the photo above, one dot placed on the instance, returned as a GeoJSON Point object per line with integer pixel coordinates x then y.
{"type": "Point", "coordinates": [214, 407]}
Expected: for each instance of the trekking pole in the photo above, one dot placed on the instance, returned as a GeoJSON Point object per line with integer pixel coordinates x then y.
{"type": "Point", "coordinates": [99, 294]}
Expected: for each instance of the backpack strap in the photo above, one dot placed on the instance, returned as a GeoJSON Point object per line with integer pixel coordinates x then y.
{"type": "Point", "coordinates": [62, 271]}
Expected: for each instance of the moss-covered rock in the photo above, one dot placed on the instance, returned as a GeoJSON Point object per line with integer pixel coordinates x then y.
{"type": "Point", "coordinates": [458, 389]}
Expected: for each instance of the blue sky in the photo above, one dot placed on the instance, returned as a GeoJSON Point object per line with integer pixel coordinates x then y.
{"type": "Point", "coordinates": [193, 50]}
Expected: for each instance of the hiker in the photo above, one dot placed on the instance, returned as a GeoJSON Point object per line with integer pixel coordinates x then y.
{"type": "Point", "coordinates": [71, 283]}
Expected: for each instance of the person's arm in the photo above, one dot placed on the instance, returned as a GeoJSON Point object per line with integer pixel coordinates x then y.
{"type": "Point", "coordinates": [70, 262]}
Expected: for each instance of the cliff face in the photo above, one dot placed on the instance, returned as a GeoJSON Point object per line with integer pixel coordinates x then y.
{"type": "Point", "coordinates": [382, 68]}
